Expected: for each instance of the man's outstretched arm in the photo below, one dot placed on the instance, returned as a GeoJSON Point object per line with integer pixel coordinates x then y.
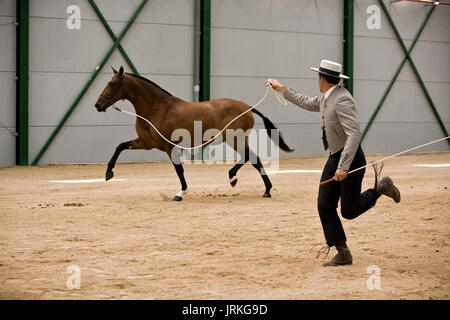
{"type": "Point", "coordinates": [297, 98]}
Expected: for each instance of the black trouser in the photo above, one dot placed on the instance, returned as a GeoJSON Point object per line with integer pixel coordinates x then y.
{"type": "Point", "coordinates": [353, 202]}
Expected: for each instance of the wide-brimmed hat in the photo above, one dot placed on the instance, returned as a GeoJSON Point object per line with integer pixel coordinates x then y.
{"type": "Point", "coordinates": [330, 68]}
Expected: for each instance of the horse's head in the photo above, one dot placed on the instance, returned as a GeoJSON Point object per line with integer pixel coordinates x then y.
{"type": "Point", "coordinates": [112, 92]}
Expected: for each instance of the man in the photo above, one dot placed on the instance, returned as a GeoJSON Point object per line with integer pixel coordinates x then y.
{"type": "Point", "coordinates": [341, 135]}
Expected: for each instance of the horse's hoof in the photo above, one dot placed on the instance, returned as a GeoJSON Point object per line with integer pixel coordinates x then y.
{"type": "Point", "coordinates": [177, 198]}
{"type": "Point", "coordinates": [233, 181]}
{"type": "Point", "coordinates": [109, 175]}
{"type": "Point", "coordinates": [267, 195]}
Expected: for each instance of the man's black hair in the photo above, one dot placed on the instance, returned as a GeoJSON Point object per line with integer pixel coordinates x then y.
{"type": "Point", "coordinates": [330, 79]}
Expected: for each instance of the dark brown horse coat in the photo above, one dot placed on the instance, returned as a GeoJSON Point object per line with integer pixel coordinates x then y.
{"type": "Point", "coordinates": [168, 113]}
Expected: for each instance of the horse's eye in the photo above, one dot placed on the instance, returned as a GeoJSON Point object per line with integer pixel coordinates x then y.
{"type": "Point", "coordinates": [111, 84]}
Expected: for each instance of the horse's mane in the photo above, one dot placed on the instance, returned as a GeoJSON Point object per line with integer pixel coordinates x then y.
{"type": "Point", "coordinates": [149, 81]}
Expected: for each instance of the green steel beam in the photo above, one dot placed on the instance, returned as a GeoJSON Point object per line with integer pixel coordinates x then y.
{"type": "Point", "coordinates": [22, 69]}
{"type": "Point", "coordinates": [416, 72]}
{"type": "Point", "coordinates": [113, 36]}
{"type": "Point", "coordinates": [205, 50]}
{"type": "Point", "coordinates": [349, 6]}
{"type": "Point", "coordinates": [88, 84]}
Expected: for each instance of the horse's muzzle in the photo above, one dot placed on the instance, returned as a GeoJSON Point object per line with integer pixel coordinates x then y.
{"type": "Point", "coordinates": [100, 108]}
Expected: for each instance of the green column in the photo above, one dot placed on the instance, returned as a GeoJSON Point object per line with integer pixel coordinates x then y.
{"type": "Point", "coordinates": [205, 50]}
{"type": "Point", "coordinates": [349, 6]}
{"type": "Point", "coordinates": [22, 82]}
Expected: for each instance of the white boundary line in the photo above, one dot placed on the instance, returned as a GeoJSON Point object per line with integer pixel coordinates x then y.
{"type": "Point", "coordinates": [293, 171]}
{"type": "Point", "coordinates": [85, 181]}
{"type": "Point", "coordinates": [441, 165]}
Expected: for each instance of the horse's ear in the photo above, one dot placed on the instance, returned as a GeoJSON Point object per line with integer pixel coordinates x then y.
{"type": "Point", "coordinates": [114, 70]}
{"type": "Point", "coordinates": [121, 71]}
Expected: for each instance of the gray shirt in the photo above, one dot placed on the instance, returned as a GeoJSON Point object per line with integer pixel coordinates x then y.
{"type": "Point", "coordinates": [338, 116]}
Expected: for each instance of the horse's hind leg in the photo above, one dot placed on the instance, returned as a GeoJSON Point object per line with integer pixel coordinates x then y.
{"type": "Point", "coordinates": [244, 152]}
{"type": "Point", "coordinates": [256, 162]}
{"type": "Point", "coordinates": [132, 144]}
{"type": "Point", "coordinates": [258, 166]}
{"type": "Point", "coordinates": [233, 171]}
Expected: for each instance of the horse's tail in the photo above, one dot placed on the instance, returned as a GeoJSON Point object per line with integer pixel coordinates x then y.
{"type": "Point", "coordinates": [269, 127]}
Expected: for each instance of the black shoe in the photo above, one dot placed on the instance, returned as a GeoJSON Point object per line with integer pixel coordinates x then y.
{"type": "Point", "coordinates": [386, 186]}
{"type": "Point", "coordinates": [343, 257]}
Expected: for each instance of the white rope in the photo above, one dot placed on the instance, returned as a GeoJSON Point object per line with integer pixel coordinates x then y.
{"type": "Point", "coordinates": [283, 102]}
{"type": "Point", "coordinates": [397, 154]}
{"type": "Point", "coordinates": [279, 98]}
{"type": "Point", "coordinates": [389, 157]}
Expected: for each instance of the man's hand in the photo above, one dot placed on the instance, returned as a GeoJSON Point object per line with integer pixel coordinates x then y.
{"type": "Point", "coordinates": [340, 174]}
{"type": "Point", "coordinates": [276, 85]}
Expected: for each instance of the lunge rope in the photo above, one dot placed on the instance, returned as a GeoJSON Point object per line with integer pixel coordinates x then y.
{"type": "Point", "coordinates": [277, 95]}
{"type": "Point", "coordinates": [389, 157]}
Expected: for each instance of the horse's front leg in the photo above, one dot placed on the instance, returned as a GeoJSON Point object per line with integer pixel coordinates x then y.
{"type": "Point", "coordinates": [132, 144]}
{"type": "Point", "coordinates": [176, 161]}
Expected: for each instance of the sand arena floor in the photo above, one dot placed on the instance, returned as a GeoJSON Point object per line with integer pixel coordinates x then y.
{"type": "Point", "coordinates": [130, 241]}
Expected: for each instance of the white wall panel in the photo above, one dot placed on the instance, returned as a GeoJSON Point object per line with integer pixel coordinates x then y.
{"type": "Point", "coordinates": [406, 118]}
{"type": "Point", "coordinates": [7, 82]}
{"type": "Point", "coordinates": [8, 99]}
{"type": "Point", "coordinates": [47, 108]}
{"type": "Point", "coordinates": [408, 18]}
{"type": "Point", "coordinates": [385, 138]}
{"type": "Point", "coordinates": [255, 40]}
{"type": "Point", "coordinates": [306, 16]}
{"type": "Point", "coordinates": [159, 43]}
{"type": "Point", "coordinates": [7, 148]}
{"type": "Point", "coordinates": [155, 11]}
{"type": "Point", "coordinates": [86, 144]}
{"type": "Point", "coordinates": [405, 103]}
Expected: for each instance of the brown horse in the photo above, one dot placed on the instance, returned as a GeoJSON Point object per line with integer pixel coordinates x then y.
{"type": "Point", "coordinates": [169, 113]}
